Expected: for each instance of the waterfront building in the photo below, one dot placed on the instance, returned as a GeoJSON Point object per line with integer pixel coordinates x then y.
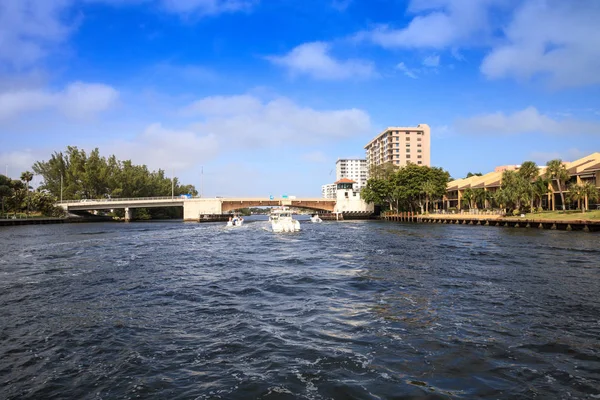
{"type": "Point", "coordinates": [581, 171]}
{"type": "Point", "coordinates": [348, 200]}
{"type": "Point", "coordinates": [354, 169]}
{"type": "Point", "coordinates": [400, 146]}
{"type": "Point", "coordinates": [328, 191]}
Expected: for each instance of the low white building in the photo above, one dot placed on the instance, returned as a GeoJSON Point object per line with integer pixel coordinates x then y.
{"type": "Point", "coordinates": [349, 200]}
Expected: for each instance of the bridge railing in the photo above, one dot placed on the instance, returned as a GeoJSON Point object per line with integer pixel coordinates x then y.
{"type": "Point", "coordinates": [105, 200]}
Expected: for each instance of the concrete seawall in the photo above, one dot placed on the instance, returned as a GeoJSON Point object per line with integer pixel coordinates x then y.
{"type": "Point", "coordinates": [513, 222]}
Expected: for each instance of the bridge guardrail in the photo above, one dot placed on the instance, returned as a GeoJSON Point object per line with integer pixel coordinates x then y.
{"type": "Point", "coordinates": [104, 200]}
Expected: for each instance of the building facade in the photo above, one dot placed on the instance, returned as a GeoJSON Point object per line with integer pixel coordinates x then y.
{"type": "Point", "coordinates": [400, 146]}
{"type": "Point", "coordinates": [329, 191]}
{"type": "Point", "coordinates": [354, 169]}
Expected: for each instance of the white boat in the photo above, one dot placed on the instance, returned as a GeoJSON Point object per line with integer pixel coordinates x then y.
{"type": "Point", "coordinates": [236, 220]}
{"type": "Point", "coordinates": [282, 221]}
{"type": "Point", "coordinates": [316, 218]}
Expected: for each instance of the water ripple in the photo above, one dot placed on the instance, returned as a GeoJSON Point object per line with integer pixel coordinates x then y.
{"type": "Point", "coordinates": [354, 309]}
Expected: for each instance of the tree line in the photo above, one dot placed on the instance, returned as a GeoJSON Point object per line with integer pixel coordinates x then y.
{"type": "Point", "coordinates": [414, 188]}
{"type": "Point", "coordinates": [75, 175]}
{"type": "Point", "coordinates": [407, 188]}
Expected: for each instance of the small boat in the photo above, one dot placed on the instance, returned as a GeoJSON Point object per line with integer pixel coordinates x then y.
{"type": "Point", "coordinates": [282, 221]}
{"type": "Point", "coordinates": [316, 218]}
{"type": "Point", "coordinates": [236, 220]}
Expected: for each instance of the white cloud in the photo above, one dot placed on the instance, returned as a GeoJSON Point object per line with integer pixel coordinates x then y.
{"type": "Point", "coordinates": [167, 149]}
{"type": "Point", "coordinates": [77, 100]}
{"type": "Point", "coordinates": [313, 59]}
{"type": "Point", "coordinates": [29, 29]}
{"type": "Point", "coordinates": [541, 158]}
{"type": "Point", "coordinates": [207, 7]}
{"type": "Point", "coordinates": [432, 61]}
{"type": "Point", "coordinates": [438, 24]}
{"type": "Point", "coordinates": [251, 122]}
{"type": "Point", "coordinates": [16, 162]}
{"type": "Point", "coordinates": [556, 39]}
{"type": "Point", "coordinates": [407, 71]}
{"type": "Point", "coordinates": [525, 121]}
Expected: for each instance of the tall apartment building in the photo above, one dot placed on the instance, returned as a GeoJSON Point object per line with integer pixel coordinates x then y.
{"type": "Point", "coordinates": [329, 191]}
{"type": "Point", "coordinates": [401, 145]}
{"type": "Point", "coordinates": [352, 168]}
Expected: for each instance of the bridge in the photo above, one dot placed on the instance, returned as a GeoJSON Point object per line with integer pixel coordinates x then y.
{"type": "Point", "coordinates": [195, 208]}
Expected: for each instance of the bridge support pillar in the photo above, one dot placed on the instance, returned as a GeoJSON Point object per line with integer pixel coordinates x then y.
{"type": "Point", "coordinates": [128, 214]}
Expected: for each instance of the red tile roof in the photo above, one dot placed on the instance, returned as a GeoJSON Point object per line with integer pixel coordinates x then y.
{"type": "Point", "coordinates": [345, 180]}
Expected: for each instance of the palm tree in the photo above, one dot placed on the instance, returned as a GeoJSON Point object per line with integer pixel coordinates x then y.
{"type": "Point", "coordinates": [540, 189]}
{"type": "Point", "coordinates": [27, 177]}
{"type": "Point", "coordinates": [558, 172]}
{"type": "Point", "coordinates": [576, 194]}
{"type": "Point", "coordinates": [429, 189]}
{"type": "Point", "coordinates": [590, 192]}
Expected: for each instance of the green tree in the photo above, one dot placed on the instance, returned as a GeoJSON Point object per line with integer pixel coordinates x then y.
{"type": "Point", "coordinates": [470, 174]}
{"type": "Point", "coordinates": [557, 171]}
{"type": "Point", "coordinates": [430, 190]}
{"type": "Point", "coordinates": [583, 193]}
{"type": "Point", "coordinates": [5, 190]}
{"type": "Point", "coordinates": [27, 177]}
{"type": "Point", "coordinates": [540, 189]}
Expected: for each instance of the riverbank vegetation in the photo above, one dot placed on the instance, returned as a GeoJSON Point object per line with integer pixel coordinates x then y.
{"type": "Point", "coordinates": [407, 188]}
{"type": "Point", "coordinates": [413, 188]}
{"type": "Point", "coordinates": [76, 175]}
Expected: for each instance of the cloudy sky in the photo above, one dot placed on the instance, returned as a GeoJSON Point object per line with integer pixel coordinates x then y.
{"type": "Point", "coordinates": [260, 97]}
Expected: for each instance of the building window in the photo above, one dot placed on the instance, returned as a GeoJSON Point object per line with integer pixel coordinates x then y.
{"type": "Point", "coordinates": [419, 156]}
{"type": "Point", "coordinates": [418, 151]}
{"type": "Point", "coordinates": [419, 145]}
{"type": "Point", "coordinates": [408, 133]}
{"type": "Point", "coordinates": [408, 156]}
{"type": "Point", "coordinates": [407, 138]}
{"type": "Point", "coordinates": [418, 139]}
{"type": "Point", "coordinates": [408, 150]}
{"type": "Point", "coordinates": [419, 162]}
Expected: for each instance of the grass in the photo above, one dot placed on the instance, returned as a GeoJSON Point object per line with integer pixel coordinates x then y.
{"type": "Point", "coordinates": [569, 215]}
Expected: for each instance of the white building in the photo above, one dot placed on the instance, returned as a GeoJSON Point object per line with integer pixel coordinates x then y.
{"type": "Point", "coordinates": [328, 191]}
{"type": "Point", "coordinates": [354, 169]}
{"type": "Point", "coordinates": [349, 200]}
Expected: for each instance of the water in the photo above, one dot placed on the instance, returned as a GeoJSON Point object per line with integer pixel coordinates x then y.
{"type": "Point", "coordinates": [360, 310]}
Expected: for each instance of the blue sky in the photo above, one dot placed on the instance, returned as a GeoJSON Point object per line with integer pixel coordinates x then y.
{"type": "Point", "coordinates": [260, 97]}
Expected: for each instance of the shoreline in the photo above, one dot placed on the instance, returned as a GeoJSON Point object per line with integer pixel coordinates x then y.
{"type": "Point", "coordinates": [497, 220]}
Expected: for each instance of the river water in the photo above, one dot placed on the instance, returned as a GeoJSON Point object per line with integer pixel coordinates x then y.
{"type": "Point", "coordinates": [340, 310]}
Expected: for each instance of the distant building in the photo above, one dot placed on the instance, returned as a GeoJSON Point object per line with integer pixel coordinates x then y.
{"type": "Point", "coordinates": [328, 191]}
{"type": "Point", "coordinates": [503, 168]}
{"type": "Point", "coordinates": [354, 169]}
{"type": "Point", "coordinates": [400, 146]}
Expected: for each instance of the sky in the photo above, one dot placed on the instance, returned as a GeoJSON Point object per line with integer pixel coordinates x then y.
{"type": "Point", "coordinates": [261, 97]}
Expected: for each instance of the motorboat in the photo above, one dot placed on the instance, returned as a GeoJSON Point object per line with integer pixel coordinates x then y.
{"type": "Point", "coordinates": [236, 220]}
{"type": "Point", "coordinates": [282, 220]}
{"type": "Point", "coordinates": [316, 218]}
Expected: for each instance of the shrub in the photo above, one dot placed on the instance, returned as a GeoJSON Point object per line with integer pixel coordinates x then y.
{"type": "Point", "coordinates": [516, 212]}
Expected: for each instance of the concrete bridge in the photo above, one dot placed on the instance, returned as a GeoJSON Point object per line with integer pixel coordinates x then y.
{"type": "Point", "coordinates": [195, 208]}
